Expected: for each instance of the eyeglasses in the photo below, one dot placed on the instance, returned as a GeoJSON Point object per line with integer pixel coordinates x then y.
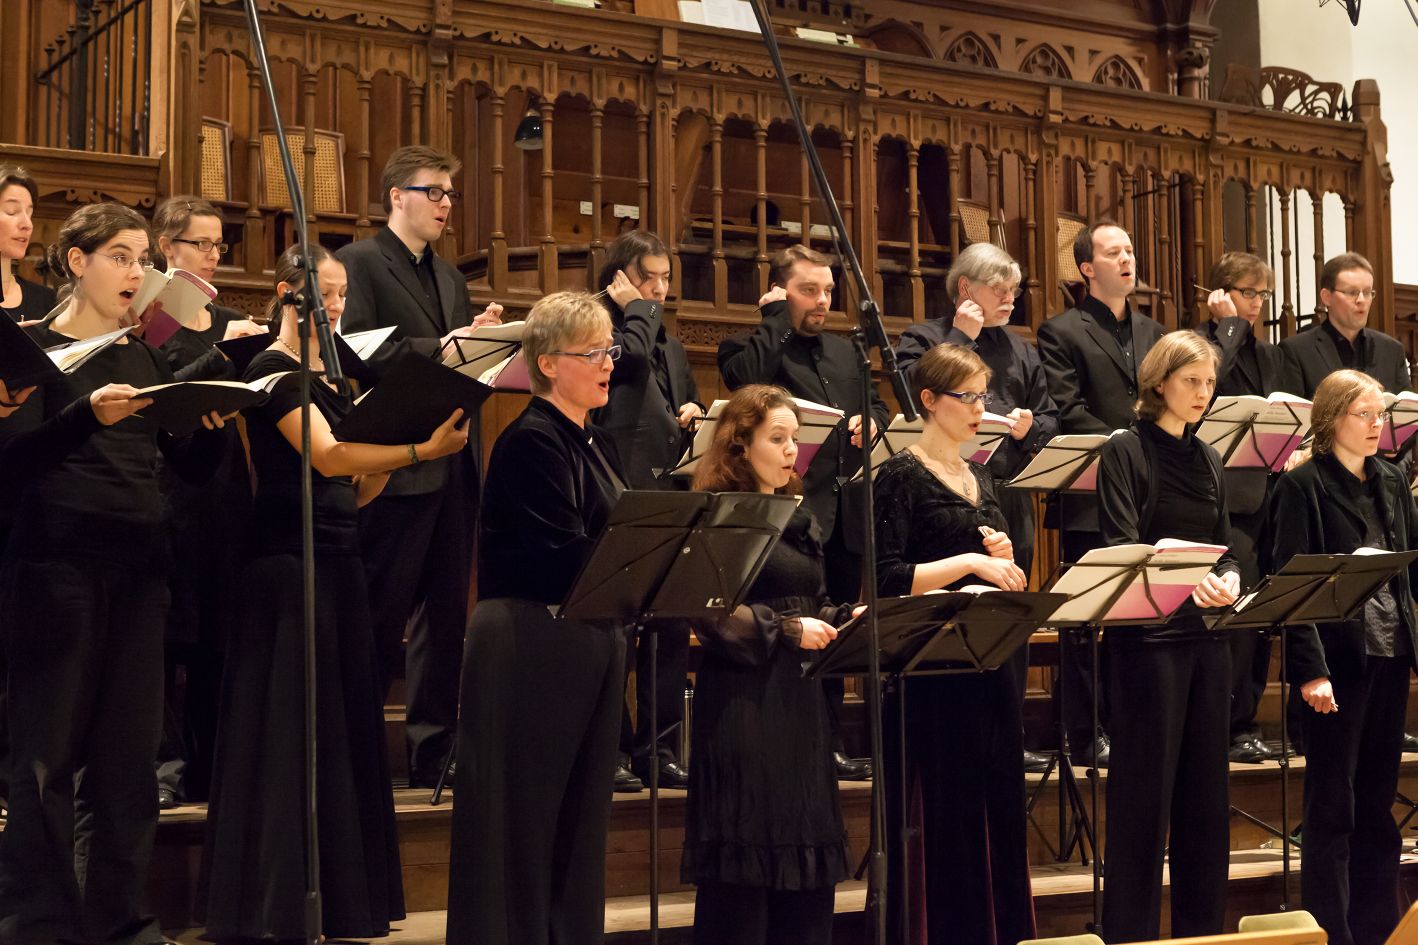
{"type": "Point", "coordinates": [436, 194]}
{"type": "Point", "coordinates": [1265, 294]}
{"type": "Point", "coordinates": [595, 355]}
{"type": "Point", "coordinates": [203, 246]}
{"type": "Point", "coordinates": [1006, 291]}
{"type": "Point", "coordinates": [1372, 418]}
{"type": "Point", "coordinates": [125, 262]}
{"type": "Point", "coordinates": [1356, 295]}
{"type": "Point", "coordinates": [969, 398]}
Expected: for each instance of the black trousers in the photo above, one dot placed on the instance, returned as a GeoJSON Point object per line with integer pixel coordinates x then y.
{"type": "Point", "coordinates": [1250, 670]}
{"type": "Point", "coordinates": [725, 914]}
{"type": "Point", "coordinates": [541, 702]}
{"type": "Point", "coordinates": [1169, 768]}
{"type": "Point", "coordinates": [1349, 861]}
{"type": "Point", "coordinates": [1076, 663]}
{"type": "Point", "coordinates": [85, 651]}
{"type": "Point", "coordinates": [672, 667]}
{"type": "Point", "coordinates": [417, 559]}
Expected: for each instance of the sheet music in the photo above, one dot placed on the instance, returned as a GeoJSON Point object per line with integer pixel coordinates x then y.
{"type": "Point", "coordinates": [1147, 583]}
{"type": "Point", "coordinates": [1403, 423]}
{"type": "Point", "coordinates": [901, 433]}
{"type": "Point", "coordinates": [1066, 463]}
{"type": "Point", "coordinates": [1256, 432]}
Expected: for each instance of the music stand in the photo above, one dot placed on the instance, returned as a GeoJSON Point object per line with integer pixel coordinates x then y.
{"type": "Point", "coordinates": [1296, 594]}
{"type": "Point", "coordinates": [691, 555]}
{"type": "Point", "coordinates": [1259, 441]}
{"type": "Point", "coordinates": [1121, 594]}
{"type": "Point", "coordinates": [931, 635]}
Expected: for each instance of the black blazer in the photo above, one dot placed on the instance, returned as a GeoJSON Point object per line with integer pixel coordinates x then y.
{"type": "Point", "coordinates": [644, 425]}
{"type": "Point", "coordinates": [1312, 512]}
{"type": "Point", "coordinates": [545, 501]}
{"type": "Point", "coordinates": [821, 368]}
{"type": "Point", "coordinates": [384, 290]}
{"type": "Point", "coordinates": [1089, 380]}
{"type": "Point", "coordinates": [1239, 376]}
{"type": "Point", "coordinates": [1311, 356]}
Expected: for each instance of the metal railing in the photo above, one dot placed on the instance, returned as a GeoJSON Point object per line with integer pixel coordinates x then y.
{"type": "Point", "coordinates": [96, 84]}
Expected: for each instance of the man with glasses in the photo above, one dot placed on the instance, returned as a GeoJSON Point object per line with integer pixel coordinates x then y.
{"type": "Point", "coordinates": [790, 348]}
{"type": "Point", "coordinates": [1343, 339]}
{"type": "Point", "coordinates": [1090, 355]}
{"type": "Point", "coordinates": [417, 534]}
{"type": "Point", "coordinates": [983, 284]}
{"type": "Point", "coordinates": [1241, 284]}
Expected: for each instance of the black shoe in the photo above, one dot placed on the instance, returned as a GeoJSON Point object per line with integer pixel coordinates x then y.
{"type": "Point", "coordinates": [167, 797]}
{"type": "Point", "coordinates": [1095, 756]}
{"type": "Point", "coordinates": [626, 782]}
{"type": "Point", "coordinates": [1035, 763]}
{"type": "Point", "coordinates": [849, 770]}
{"type": "Point", "coordinates": [672, 775]}
{"type": "Point", "coordinates": [1248, 750]}
{"type": "Point", "coordinates": [1410, 743]}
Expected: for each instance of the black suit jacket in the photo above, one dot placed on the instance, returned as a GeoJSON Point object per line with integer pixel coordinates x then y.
{"type": "Point", "coordinates": [821, 368]}
{"type": "Point", "coordinates": [1311, 356]}
{"type": "Point", "coordinates": [1091, 383]}
{"type": "Point", "coordinates": [644, 425]}
{"type": "Point", "coordinates": [1313, 513]}
{"type": "Point", "coordinates": [384, 290]}
{"type": "Point", "coordinates": [1239, 375]}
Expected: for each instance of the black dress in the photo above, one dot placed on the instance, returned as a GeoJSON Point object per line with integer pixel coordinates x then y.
{"type": "Point", "coordinates": [36, 301]}
{"type": "Point", "coordinates": [964, 752]}
{"type": "Point", "coordinates": [255, 854]}
{"type": "Point", "coordinates": [762, 808]}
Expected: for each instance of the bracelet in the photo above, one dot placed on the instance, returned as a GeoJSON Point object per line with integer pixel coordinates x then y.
{"type": "Point", "coordinates": [414, 455]}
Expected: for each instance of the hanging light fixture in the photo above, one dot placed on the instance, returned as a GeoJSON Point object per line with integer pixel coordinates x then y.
{"type": "Point", "coordinates": [529, 130]}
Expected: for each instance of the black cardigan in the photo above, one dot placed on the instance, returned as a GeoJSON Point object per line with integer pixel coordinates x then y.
{"type": "Point", "coordinates": [1311, 514]}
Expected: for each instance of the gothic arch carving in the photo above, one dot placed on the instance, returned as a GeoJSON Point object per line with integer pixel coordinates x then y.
{"type": "Point", "coordinates": [969, 49]}
{"type": "Point", "coordinates": [1044, 61]}
{"type": "Point", "coordinates": [1116, 73]}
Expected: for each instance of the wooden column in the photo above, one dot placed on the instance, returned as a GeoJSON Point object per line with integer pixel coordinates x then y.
{"type": "Point", "coordinates": [547, 262]}
{"type": "Point", "coordinates": [913, 215]}
{"type": "Point", "coordinates": [1125, 187]}
{"type": "Point", "coordinates": [1317, 213]}
{"type": "Point", "coordinates": [363, 85]}
{"type": "Point", "coordinates": [760, 256]}
{"type": "Point", "coordinates": [1252, 226]}
{"type": "Point", "coordinates": [805, 200]}
{"type": "Point", "coordinates": [598, 246]}
{"type": "Point", "coordinates": [716, 192]}
{"type": "Point", "coordinates": [642, 181]}
{"type": "Point", "coordinates": [1032, 263]}
{"type": "Point", "coordinates": [993, 223]}
{"type": "Point", "coordinates": [952, 157]}
{"type": "Point", "coordinates": [497, 249]}
{"type": "Point", "coordinates": [1287, 309]}
{"type": "Point", "coordinates": [253, 240]}
{"type": "Point", "coordinates": [309, 85]}
{"type": "Point", "coordinates": [1196, 313]}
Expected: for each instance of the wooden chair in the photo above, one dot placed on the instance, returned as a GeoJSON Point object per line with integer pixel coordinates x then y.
{"type": "Point", "coordinates": [216, 160]}
{"type": "Point", "coordinates": [1272, 921]}
{"type": "Point", "coordinates": [1070, 279]}
{"type": "Point", "coordinates": [329, 193]}
{"type": "Point", "coordinates": [1407, 931]}
{"type": "Point", "coordinates": [975, 224]}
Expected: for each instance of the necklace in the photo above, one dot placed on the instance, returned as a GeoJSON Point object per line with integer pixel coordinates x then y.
{"type": "Point", "coordinates": [964, 481]}
{"type": "Point", "coordinates": [294, 353]}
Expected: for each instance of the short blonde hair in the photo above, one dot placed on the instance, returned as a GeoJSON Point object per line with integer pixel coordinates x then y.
{"type": "Point", "coordinates": [558, 320]}
{"type": "Point", "coordinates": [981, 262]}
{"type": "Point", "coordinates": [1174, 351]}
{"type": "Point", "coordinates": [945, 367]}
{"type": "Point", "coordinates": [1333, 398]}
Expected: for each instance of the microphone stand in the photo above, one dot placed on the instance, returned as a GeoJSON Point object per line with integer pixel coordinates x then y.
{"type": "Point", "coordinates": [311, 309]}
{"type": "Point", "coordinates": [870, 333]}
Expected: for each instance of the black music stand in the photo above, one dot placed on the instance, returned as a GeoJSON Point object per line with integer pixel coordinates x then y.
{"type": "Point", "coordinates": [932, 635]}
{"type": "Point", "coordinates": [691, 555]}
{"type": "Point", "coordinates": [1309, 589]}
{"type": "Point", "coordinates": [1243, 432]}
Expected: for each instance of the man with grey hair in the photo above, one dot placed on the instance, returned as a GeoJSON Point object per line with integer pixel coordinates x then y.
{"type": "Point", "coordinates": [983, 284]}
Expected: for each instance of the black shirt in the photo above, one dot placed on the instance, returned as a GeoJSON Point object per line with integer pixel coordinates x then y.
{"type": "Point", "coordinates": [1121, 328]}
{"type": "Point", "coordinates": [1380, 613]}
{"type": "Point", "coordinates": [546, 497]}
{"type": "Point", "coordinates": [190, 354]}
{"type": "Point", "coordinates": [421, 263]}
{"type": "Point", "coordinates": [1350, 355]}
{"type": "Point", "coordinates": [36, 301]}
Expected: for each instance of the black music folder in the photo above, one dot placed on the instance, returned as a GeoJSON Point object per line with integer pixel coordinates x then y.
{"type": "Point", "coordinates": [410, 401]}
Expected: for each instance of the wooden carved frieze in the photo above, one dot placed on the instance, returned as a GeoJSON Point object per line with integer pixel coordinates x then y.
{"type": "Point", "coordinates": [1043, 60]}
{"type": "Point", "coordinates": [970, 50]}
{"type": "Point", "coordinates": [410, 15]}
{"type": "Point", "coordinates": [1117, 73]}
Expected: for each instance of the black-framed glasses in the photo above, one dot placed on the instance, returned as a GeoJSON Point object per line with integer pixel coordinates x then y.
{"type": "Point", "coordinates": [123, 261]}
{"type": "Point", "coordinates": [203, 246]}
{"type": "Point", "coordinates": [436, 194]}
{"type": "Point", "coordinates": [595, 355]}
{"type": "Point", "coordinates": [1248, 294]}
{"type": "Point", "coordinates": [969, 397]}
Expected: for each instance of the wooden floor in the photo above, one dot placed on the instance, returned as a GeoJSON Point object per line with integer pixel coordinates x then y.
{"type": "Point", "coordinates": [1059, 891]}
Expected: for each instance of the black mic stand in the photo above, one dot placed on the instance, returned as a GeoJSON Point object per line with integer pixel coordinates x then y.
{"type": "Point", "coordinates": [870, 333]}
{"type": "Point", "coordinates": [311, 309]}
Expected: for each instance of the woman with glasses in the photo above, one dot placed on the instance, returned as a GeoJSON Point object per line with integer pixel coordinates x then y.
{"type": "Point", "coordinates": [939, 526]}
{"type": "Point", "coordinates": [83, 591]}
{"type": "Point", "coordinates": [205, 524]}
{"type": "Point", "coordinates": [1353, 676]}
{"type": "Point", "coordinates": [1169, 683]}
{"type": "Point", "coordinates": [540, 695]}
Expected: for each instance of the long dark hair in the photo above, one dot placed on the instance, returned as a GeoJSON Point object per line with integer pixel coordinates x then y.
{"type": "Point", "coordinates": [290, 269]}
{"type": "Point", "coordinates": [726, 466]}
{"type": "Point", "coordinates": [627, 248]}
{"type": "Point", "coordinates": [88, 228]}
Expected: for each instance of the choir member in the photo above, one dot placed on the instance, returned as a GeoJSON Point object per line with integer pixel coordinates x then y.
{"type": "Point", "coordinates": [83, 590]}
{"type": "Point", "coordinates": [939, 526]}
{"type": "Point", "coordinates": [1090, 356]}
{"type": "Point", "coordinates": [541, 696]}
{"type": "Point", "coordinates": [20, 299]}
{"type": "Point", "coordinates": [1353, 676]}
{"type": "Point", "coordinates": [1250, 365]}
{"type": "Point", "coordinates": [983, 284]}
{"type": "Point", "coordinates": [764, 840]}
{"type": "Point", "coordinates": [790, 348]}
{"type": "Point", "coordinates": [1343, 339]}
{"type": "Point", "coordinates": [255, 855]}
{"type": "Point", "coordinates": [417, 535]}
{"type": "Point", "coordinates": [205, 524]}
{"type": "Point", "coordinates": [1169, 684]}
{"type": "Point", "coordinates": [653, 403]}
